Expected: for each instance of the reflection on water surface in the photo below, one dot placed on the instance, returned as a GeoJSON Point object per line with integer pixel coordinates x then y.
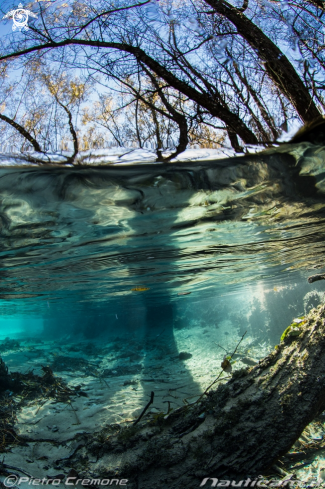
{"type": "Point", "coordinates": [128, 280]}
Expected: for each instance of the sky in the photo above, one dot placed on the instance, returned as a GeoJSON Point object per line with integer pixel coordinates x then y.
{"type": "Point", "coordinates": [6, 30]}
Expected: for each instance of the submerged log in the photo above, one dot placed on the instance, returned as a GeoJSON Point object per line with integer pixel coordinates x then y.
{"type": "Point", "coordinates": [236, 431]}
{"type": "Point", "coordinates": [315, 278]}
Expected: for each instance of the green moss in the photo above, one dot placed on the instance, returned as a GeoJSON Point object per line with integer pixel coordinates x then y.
{"type": "Point", "coordinates": [292, 331]}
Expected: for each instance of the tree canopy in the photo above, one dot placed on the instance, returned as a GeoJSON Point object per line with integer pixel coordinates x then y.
{"type": "Point", "coordinates": [162, 72]}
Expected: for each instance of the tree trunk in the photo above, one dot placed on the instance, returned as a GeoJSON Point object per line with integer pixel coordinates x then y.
{"type": "Point", "coordinates": [73, 133]}
{"type": "Point", "coordinates": [239, 429]}
{"type": "Point", "coordinates": [178, 117]}
{"type": "Point", "coordinates": [234, 140]}
{"type": "Point", "coordinates": [276, 64]}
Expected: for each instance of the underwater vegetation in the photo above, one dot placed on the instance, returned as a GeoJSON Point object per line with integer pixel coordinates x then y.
{"type": "Point", "coordinates": [295, 329]}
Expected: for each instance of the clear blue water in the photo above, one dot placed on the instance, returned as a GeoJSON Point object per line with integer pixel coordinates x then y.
{"type": "Point", "coordinates": [75, 243]}
{"type": "Point", "coordinates": [109, 273]}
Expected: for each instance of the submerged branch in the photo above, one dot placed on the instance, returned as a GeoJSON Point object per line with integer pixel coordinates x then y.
{"type": "Point", "coordinates": [315, 278]}
{"type": "Point", "coordinates": [145, 409]}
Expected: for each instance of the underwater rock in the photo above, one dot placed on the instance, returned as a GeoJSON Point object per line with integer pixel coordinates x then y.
{"type": "Point", "coordinates": [184, 355]}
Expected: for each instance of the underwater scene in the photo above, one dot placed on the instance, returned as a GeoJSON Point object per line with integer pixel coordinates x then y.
{"type": "Point", "coordinates": [128, 292]}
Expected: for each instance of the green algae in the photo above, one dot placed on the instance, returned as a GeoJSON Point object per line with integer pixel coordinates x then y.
{"type": "Point", "coordinates": [292, 331]}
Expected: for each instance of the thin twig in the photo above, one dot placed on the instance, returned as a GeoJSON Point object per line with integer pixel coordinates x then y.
{"type": "Point", "coordinates": [169, 408]}
{"type": "Point", "coordinates": [145, 409]}
{"type": "Point", "coordinates": [69, 402]}
{"type": "Point", "coordinates": [217, 379]}
{"type": "Point", "coordinates": [221, 347]}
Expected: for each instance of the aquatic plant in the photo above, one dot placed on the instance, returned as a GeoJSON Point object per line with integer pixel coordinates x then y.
{"type": "Point", "coordinates": [292, 331]}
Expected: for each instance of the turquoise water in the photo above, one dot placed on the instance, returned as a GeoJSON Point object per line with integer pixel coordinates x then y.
{"type": "Point", "coordinates": [90, 245]}
{"type": "Point", "coordinates": [132, 279]}
{"type": "Point", "coordinates": [18, 325]}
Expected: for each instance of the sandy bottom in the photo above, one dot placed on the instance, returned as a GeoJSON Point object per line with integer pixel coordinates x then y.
{"type": "Point", "coordinates": [118, 375]}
